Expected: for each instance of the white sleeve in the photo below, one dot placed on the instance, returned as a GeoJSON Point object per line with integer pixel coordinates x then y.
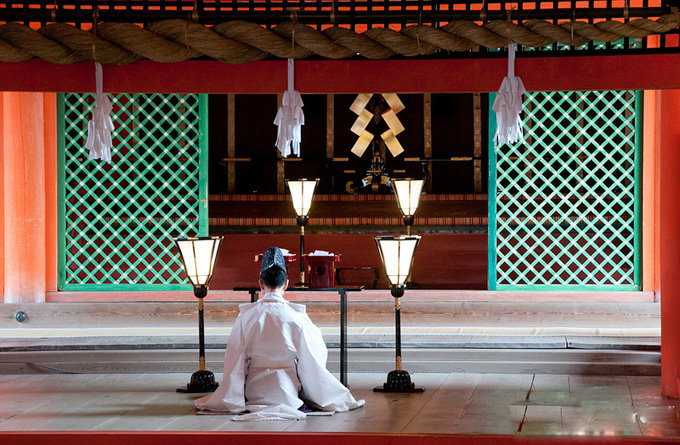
{"type": "Point", "coordinates": [319, 386]}
{"type": "Point", "coordinates": [230, 395]}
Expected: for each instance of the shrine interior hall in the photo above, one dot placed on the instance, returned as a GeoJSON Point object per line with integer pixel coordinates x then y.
{"type": "Point", "coordinates": [521, 156]}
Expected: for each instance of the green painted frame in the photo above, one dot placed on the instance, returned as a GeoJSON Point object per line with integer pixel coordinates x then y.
{"type": "Point", "coordinates": [201, 206]}
{"type": "Point", "coordinates": [493, 281]}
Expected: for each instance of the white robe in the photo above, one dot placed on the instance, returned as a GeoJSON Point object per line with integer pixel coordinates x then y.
{"type": "Point", "coordinates": [275, 358]}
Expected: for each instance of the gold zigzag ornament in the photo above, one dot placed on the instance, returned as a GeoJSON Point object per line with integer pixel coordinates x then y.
{"type": "Point", "coordinates": [364, 116]}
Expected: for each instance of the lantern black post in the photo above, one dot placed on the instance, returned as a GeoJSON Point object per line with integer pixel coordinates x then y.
{"type": "Point", "coordinates": [201, 380]}
{"type": "Point", "coordinates": [200, 293]}
{"type": "Point", "coordinates": [302, 222]}
{"type": "Point", "coordinates": [398, 380]}
{"type": "Point", "coordinates": [397, 293]}
{"type": "Point", "coordinates": [199, 256]}
{"type": "Point", "coordinates": [396, 254]}
{"type": "Point", "coordinates": [408, 222]}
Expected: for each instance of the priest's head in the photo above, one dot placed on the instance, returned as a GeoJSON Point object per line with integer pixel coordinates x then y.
{"type": "Point", "coordinates": [273, 276]}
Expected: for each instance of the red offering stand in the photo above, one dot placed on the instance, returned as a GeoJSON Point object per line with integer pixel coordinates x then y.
{"type": "Point", "coordinates": [321, 270]}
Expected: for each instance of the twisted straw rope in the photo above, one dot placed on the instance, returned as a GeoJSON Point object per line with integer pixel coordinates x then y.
{"type": "Point", "coordinates": [240, 42]}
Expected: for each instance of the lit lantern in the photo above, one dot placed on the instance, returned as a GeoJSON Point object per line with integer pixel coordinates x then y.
{"type": "Point", "coordinates": [408, 193]}
{"type": "Point", "coordinates": [302, 194]}
{"type": "Point", "coordinates": [199, 256]}
{"type": "Point", "coordinates": [396, 254]}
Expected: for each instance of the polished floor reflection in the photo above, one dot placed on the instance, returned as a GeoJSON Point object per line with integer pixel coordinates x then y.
{"type": "Point", "coordinates": [523, 404]}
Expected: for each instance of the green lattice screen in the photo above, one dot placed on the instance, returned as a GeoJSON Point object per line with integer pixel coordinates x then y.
{"type": "Point", "coordinates": [116, 221]}
{"type": "Point", "coordinates": [564, 213]}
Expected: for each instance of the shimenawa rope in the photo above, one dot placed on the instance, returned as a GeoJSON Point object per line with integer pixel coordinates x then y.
{"type": "Point", "coordinates": [240, 42]}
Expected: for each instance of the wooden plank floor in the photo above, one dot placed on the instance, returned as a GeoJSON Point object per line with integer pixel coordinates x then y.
{"type": "Point", "coordinates": [360, 360]}
{"type": "Point", "coordinates": [514, 404]}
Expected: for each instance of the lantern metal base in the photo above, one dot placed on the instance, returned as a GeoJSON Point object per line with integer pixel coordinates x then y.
{"type": "Point", "coordinates": [398, 381]}
{"type": "Point", "coordinates": [302, 220]}
{"type": "Point", "coordinates": [201, 381]}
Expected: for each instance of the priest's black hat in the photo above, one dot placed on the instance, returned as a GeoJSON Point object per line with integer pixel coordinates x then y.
{"type": "Point", "coordinates": [273, 257]}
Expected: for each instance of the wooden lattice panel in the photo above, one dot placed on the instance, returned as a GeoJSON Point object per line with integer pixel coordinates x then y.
{"type": "Point", "coordinates": [565, 210]}
{"type": "Point", "coordinates": [117, 220]}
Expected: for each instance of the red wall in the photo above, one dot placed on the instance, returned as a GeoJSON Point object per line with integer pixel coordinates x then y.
{"type": "Point", "coordinates": [442, 261]}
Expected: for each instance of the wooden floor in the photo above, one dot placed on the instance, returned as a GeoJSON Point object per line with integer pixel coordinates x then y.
{"type": "Point", "coordinates": [497, 376]}
{"type": "Point", "coordinates": [515, 404]}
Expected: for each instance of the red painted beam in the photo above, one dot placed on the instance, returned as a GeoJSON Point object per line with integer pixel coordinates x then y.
{"type": "Point", "coordinates": [654, 71]}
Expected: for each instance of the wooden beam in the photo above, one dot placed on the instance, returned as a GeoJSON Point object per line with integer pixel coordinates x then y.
{"type": "Point", "coordinates": [427, 136]}
{"type": "Point", "coordinates": [345, 209]}
{"type": "Point", "coordinates": [330, 125]}
{"type": "Point", "coordinates": [231, 143]}
{"type": "Point", "coordinates": [648, 71]}
{"type": "Point", "coordinates": [477, 140]}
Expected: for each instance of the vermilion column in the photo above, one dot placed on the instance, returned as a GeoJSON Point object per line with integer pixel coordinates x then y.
{"type": "Point", "coordinates": [649, 189]}
{"type": "Point", "coordinates": [2, 204]}
{"type": "Point", "coordinates": [50, 121]}
{"type": "Point", "coordinates": [668, 168]}
{"type": "Point", "coordinates": [23, 212]}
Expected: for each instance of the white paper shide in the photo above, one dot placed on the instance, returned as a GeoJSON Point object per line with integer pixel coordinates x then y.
{"type": "Point", "coordinates": [290, 118]}
{"type": "Point", "coordinates": [100, 126]}
{"type": "Point", "coordinates": [508, 106]}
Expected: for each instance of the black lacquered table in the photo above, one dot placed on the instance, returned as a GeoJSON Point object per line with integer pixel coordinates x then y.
{"type": "Point", "coordinates": [253, 291]}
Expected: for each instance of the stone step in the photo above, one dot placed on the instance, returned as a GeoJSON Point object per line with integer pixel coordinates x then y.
{"type": "Point", "coordinates": [480, 360]}
{"type": "Point", "coordinates": [418, 341]}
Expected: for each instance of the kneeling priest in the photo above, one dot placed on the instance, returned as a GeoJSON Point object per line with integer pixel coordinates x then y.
{"type": "Point", "coordinates": [275, 362]}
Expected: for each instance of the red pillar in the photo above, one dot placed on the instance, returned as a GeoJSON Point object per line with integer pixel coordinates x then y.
{"type": "Point", "coordinates": [649, 194]}
{"type": "Point", "coordinates": [668, 287]}
{"type": "Point", "coordinates": [2, 202]}
{"type": "Point", "coordinates": [23, 212]}
{"type": "Point", "coordinates": [51, 163]}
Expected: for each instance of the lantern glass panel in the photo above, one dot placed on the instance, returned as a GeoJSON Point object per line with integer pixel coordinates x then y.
{"type": "Point", "coordinates": [396, 254]}
{"type": "Point", "coordinates": [302, 192]}
{"type": "Point", "coordinates": [199, 256]}
{"type": "Point", "coordinates": [408, 194]}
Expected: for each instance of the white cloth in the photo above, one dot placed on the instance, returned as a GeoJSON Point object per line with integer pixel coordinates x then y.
{"type": "Point", "coordinates": [99, 128]}
{"type": "Point", "coordinates": [264, 412]}
{"type": "Point", "coordinates": [321, 253]}
{"type": "Point", "coordinates": [276, 358]}
{"type": "Point", "coordinates": [290, 118]}
{"type": "Point", "coordinates": [508, 105]}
